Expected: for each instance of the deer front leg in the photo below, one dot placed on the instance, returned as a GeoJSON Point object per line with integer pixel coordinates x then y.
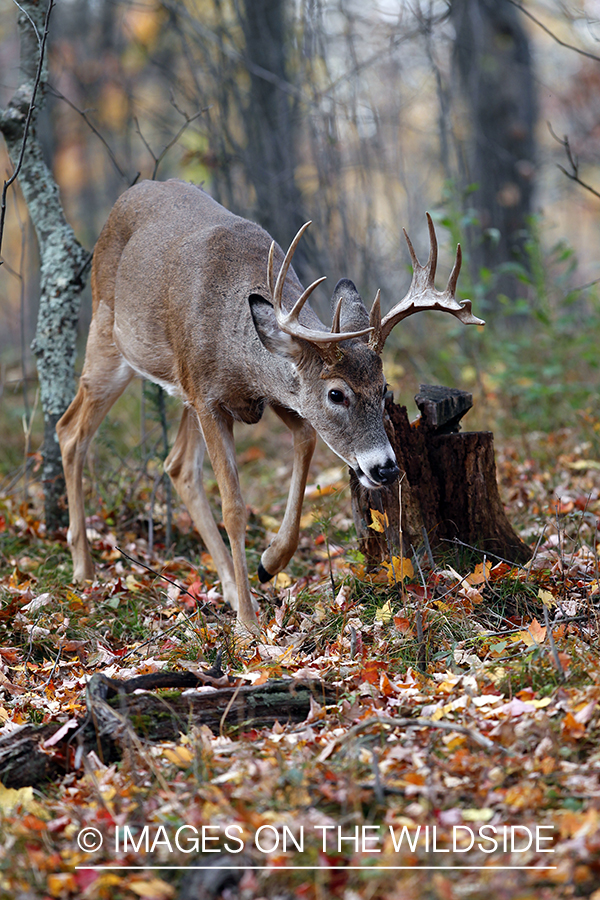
{"type": "Point", "coordinates": [218, 436]}
{"type": "Point", "coordinates": [283, 546]}
{"type": "Point", "coordinates": [184, 466]}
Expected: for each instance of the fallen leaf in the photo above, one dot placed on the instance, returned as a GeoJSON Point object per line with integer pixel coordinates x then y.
{"type": "Point", "coordinates": [399, 569]}
{"type": "Point", "coordinates": [384, 613]}
{"type": "Point", "coordinates": [379, 521]}
{"type": "Point", "coordinates": [571, 728]}
{"type": "Point", "coordinates": [480, 574]}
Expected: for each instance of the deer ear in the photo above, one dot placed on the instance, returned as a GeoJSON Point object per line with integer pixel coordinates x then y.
{"type": "Point", "coordinates": [271, 336]}
{"type": "Point", "coordinates": [353, 314]}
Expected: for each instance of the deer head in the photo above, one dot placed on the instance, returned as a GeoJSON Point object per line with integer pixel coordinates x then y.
{"type": "Point", "coordinates": [339, 376]}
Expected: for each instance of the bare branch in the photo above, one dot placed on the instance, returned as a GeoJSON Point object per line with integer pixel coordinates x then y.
{"type": "Point", "coordinates": [551, 33]}
{"type": "Point", "coordinates": [38, 78]}
{"type": "Point", "coordinates": [573, 174]}
{"type": "Point", "coordinates": [158, 159]}
{"type": "Point", "coordinates": [56, 93]}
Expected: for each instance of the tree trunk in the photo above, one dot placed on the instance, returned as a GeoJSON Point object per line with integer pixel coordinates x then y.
{"type": "Point", "coordinates": [493, 60]}
{"type": "Point", "coordinates": [270, 124]}
{"type": "Point", "coordinates": [447, 488]}
{"type": "Point", "coordinates": [62, 261]}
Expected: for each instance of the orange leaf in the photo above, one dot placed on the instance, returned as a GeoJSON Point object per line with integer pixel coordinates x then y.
{"type": "Point", "coordinates": [480, 574]}
{"type": "Point", "coordinates": [385, 686]}
{"type": "Point", "coordinates": [571, 728]}
{"type": "Point", "coordinates": [371, 670]}
{"type": "Point", "coordinates": [403, 625]}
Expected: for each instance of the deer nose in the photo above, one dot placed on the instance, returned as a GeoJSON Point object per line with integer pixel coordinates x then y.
{"type": "Point", "coordinates": [384, 474]}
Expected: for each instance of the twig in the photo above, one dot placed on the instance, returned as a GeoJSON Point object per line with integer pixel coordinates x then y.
{"type": "Point", "coordinates": [156, 637]}
{"type": "Point", "coordinates": [30, 111]}
{"type": "Point", "coordinates": [509, 562]}
{"type": "Point", "coordinates": [202, 608]}
{"type": "Point", "coordinates": [553, 648]}
{"type": "Point", "coordinates": [417, 722]}
{"type": "Point", "coordinates": [228, 707]}
{"type": "Point", "coordinates": [551, 33]}
{"type": "Point", "coordinates": [573, 162]}
{"type": "Point", "coordinates": [158, 159]}
{"type": "Point", "coordinates": [428, 547]}
{"type": "Point", "coordinates": [60, 96]}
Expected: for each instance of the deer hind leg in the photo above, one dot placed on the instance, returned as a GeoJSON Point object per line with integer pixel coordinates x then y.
{"type": "Point", "coordinates": [104, 378]}
{"type": "Point", "coordinates": [283, 546]}
{"type": "Point", "coordinates": [217, 431]}
{"type": "Point", "coordinates": [184, 466]}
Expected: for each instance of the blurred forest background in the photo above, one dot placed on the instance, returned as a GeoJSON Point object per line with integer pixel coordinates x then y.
{"type": "Point", "coordinates": [359, 116]}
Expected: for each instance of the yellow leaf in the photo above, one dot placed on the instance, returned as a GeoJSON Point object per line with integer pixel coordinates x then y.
{"type": "Point", "coordinates": [155, 889]}
{"type": "Point", "coordinates": [399, 569]}
{"type": "Point", "coordinates": [477, 815]}
{"type": "Point", "coordinates": [547, 598]}
{"type": "Point", "coordinates": [132, 584]}
{"type": "Point", "coordinates": [9, 798]}
{"type": "Point", "coordinates": [282, 581]}
{"type": "Point", "coordinates": [61, 883]}
{"type": "Point", "coordinates": [384, 613]}
{"type": "Point", "coordinates": [379, 521]}
{"type": "Point", "coordinates": [179, 756]}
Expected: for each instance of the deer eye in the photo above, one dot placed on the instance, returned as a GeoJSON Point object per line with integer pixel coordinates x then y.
{"type": "Point", "coordinates": [336, 396]}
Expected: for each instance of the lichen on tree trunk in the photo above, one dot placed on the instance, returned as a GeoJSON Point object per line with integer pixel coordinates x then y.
{"type": "Point", "coordinates": [62, 260]}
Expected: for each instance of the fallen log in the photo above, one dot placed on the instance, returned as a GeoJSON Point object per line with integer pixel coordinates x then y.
{"type": "Point", "coordinates": [447, 488]}
{"type": "Point", "coordinates": [117, 718]}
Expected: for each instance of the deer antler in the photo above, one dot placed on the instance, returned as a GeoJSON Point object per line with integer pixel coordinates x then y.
{"type": "Point", "coordinates": [289, 321]}
{"type": "Point", "coordinates": [422, 295]}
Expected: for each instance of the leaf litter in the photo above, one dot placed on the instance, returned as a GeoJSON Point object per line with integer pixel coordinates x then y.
{"type": "Point", "coordinates": [460, 758]}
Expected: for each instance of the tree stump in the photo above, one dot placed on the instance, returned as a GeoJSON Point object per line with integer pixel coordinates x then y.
{"type": "Point", "coordinates": [447, 487]}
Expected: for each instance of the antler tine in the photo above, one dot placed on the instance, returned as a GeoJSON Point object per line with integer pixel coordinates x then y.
{"type": "Point", "coordinates": [375, 322]}
{"type": "Point", "coordinates": [289, 322]}
{"type": "Point", "coordinates": [285, 266]}
{"type": "Point", "coordinates": [422, 294]}
{"type": "Point", "coordinates": [270, 267]}
{"type": "Point", "coordinates": [453, 280]}
{"type": "Point", "coordinates": [433, 251]}
{"type": "Point", "coordinates": [293, 314]}
{"type": "Point", "coordinates": [335, 323]}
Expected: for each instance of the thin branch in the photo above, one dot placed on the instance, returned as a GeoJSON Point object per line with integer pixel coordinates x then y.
{"type": "Point", "coordinates": [31, 22]}
{"type": "Point", "coordinates": [30, 111]}
{"type": "Point", "coordinates": [56, 93]}
{"type": "Point", "coordinates": [201, 608]}
{"type": "Point", "coordinates": [158, 159]}
{"type": "Point", "coordinates": [551, 33]}
{"type": "Point", "coordinates": [416, 722]}
{"type": "Point", "coordinates": [573, 175]}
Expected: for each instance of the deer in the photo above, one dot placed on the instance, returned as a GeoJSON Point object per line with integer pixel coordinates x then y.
{"type": "Point", "coordinates": [205, 304]}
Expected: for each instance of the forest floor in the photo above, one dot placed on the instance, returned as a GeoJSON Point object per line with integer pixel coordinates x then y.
{"type": "Point", "coordinates": [492, 791]}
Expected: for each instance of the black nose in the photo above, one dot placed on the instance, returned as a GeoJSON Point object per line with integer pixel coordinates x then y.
{"type": "Point", "coordinates": [385, 474]}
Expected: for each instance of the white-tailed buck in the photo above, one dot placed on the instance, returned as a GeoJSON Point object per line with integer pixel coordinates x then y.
{"type": "Point", "coordinates": [204, 304]}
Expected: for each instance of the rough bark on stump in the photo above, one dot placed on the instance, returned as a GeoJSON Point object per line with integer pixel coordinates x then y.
{"type": "Point", "coordinates": [447, 486]}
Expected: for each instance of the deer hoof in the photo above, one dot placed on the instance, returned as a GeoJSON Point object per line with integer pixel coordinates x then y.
{"type": "Point", "coordinates": [263, 575]}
